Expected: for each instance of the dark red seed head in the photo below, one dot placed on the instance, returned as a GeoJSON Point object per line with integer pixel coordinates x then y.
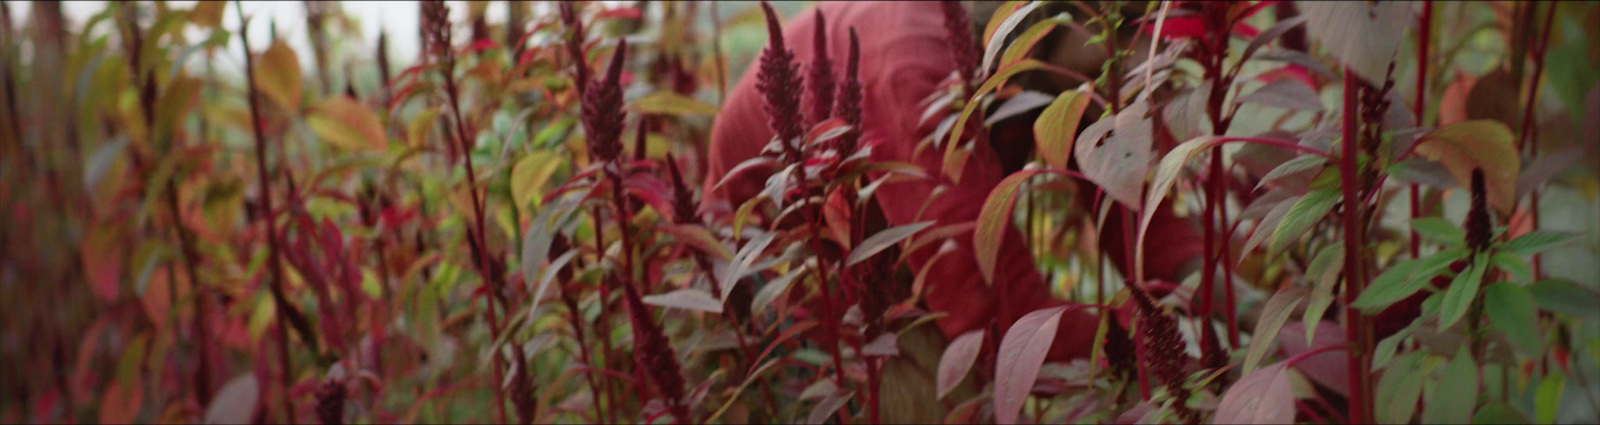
{"type": "Point", "coordinates": [778, 80]}
{"type": "Point", "coordinates": [847, 105]}
{"type": "Point", "coordinates": [1479, 227]}
{"type": "Point", "coordinates": [602, 110]}
{"type": "Point", "coordinates": [820, 80]}
{"type": "Point", "coordinates": [963, 48]}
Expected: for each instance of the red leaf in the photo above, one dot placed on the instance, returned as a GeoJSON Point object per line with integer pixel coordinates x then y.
{"type": "Point", "coordinates": [1183, 28]}
{"type": "Point", "coordinates": [619, 13]}
{"type": "Point", "coordinates": [1261, 397]}
{"type": "Point", "coordinates": [958, 359]}
{"type": "Point", "coordinates": [1021, 354]}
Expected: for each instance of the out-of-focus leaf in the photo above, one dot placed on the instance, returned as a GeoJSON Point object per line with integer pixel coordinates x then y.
{"type": "Point", "coordinates": [1565, 297]}
{"type": "Point", "coordinates": [773, 290]}
{"type": "Point", "coordinates": [420, 126]}
{"type": "Point", "coordinates": [1017, 104]}
{"type": "Point", "coordinates": [102, 259]}
{"type": "Point", "coordinates": [1260, 397]}
{"type": "Point", "coordinates": [1439, 231]}
{"type": "Point", "coordinates": [1273, 33]}
{"type": "Point", "coordinates": [1022, 352]}
{"type": "Point", "coordinates": [1511, 309]}
{"type": "Point", "coordinates": [1496, 412]}
{"type": "Point", "coordinates": [882, 240]}
{"type": "Point", "coordinates": [1330, 369]}
{"type": "Point", "coordinates": [1030, 37]}
{"type": "Point", "coordinates": [826, 408]}
{"type": "Point", "coordinates": [1484, 144]}
{"type": "Point", "coordinates": [688, 299]}
{"type": "Point", "coordinates": [1548, 397]}
{"type": "Point", "coordinates": [671, 103]}
{"type": "Point", "coordinates": [236, 402]}
{"type": "Point", "coordinates": [278, 76]}
{"type": "Point", "coordinates": [1541, 170]}
{"type": "Point", "coordinates": [530, 174]}
{"type": "Point", "coordinates": [207, 13]}
{"type": "Point", "coordinates": [1166, 175]}
{"type": "Point", "coordinates": [994, 219]}
{"type": "Point", "coordinates": [958, 359]}
{"type": "Point", "coordinates": [1463, 289]}
{"type": "Point", "coordinates": [1536, 242]}
{"type": "Point", "coordinates": [1456, 395]}
{"type": "Point", "coordinates": [1306, 212]}
{"type": "Point", "coordinates": [348, 124]}
{"type": "Point", "coordinates": [1115, 153]}
{"type": "Point", "coordinates": [1273, 315]}
{"type": "Point", "coordinates": [1512, 264]}
{"type": "Point", "coordinates": [1057, 127]}
{"type": "Point", "coordinates": [1364, 36]}
{"type": "Point", "coordinates": [700, 238]}
{"type": "Point", "coordinates": [1288, 94]}
{"type": "Point", "coordinates": [1269, 223]}
{"type": "Point", "coordinates": [953, 159]}
{"type": "Point", "coordinates": [120, 403]}
{"type": "Point", "coordinates": [1292, 167]}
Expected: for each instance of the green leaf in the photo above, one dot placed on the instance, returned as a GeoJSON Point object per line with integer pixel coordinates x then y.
{"type": "Point", "coordinates": [1273, 315]}
{"type": "Point", "coordinates": [1456, 395]}
{"type": "Point", "coordinates": [1439, 231]}
{"type": "Point", "coordinates": [952, 163]}
{"type": "Point", "coordinates": [1462, 291]}
{"type": "Point", "coordinates": [1307, 211]}
{"type": "Point", "coordinates": [530, 174]}
{"type": "Point", "coordinates": [1495, 412]}
{"type": "Point", "coordinates": [1405, 278]}
{"type": "Point", "coordinates": [1485, 144]}
{"type": "Point", "coordinates": [1536, 242]}
{"type": "Point", "coordinates": [1398, 390]}
{"type": "Point", "coordinates": [1057, 127]}
{"type": "Point", "coordinates": [994, 219]}
{"type": "Point", "coordinates": [1324, 274]}
{"type": "Point", "coordinates": [1386, 348]}
{"type": "Point", "coordinates": [1511, 309]}
{"type": "Point", "coordinates": [671, 103]}
{"type": "Point", "coordinates": [1512, 264]}
{"type": "Point", "coordinates": [1548, 398]}
{"type": "Point", "coordinates": [342, 121]}
{"type": "Point", "coordinates": [883, 239]}
{"type": "Point", "coordinates": [1566, 297]}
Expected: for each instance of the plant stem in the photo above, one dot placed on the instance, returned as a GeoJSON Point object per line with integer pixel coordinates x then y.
{"type": "Point", "coordinates": [1355, 278]}
{"type": "Point", "coordinates": [274, 261]}
{"type": "Point", "coordinates": [1418, 108]}
{"type": "Point", "coordinates": [1529, 137]}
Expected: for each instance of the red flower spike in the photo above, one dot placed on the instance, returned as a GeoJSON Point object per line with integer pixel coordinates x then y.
{"type": "Point", "coordinates": [963, 49]}
{"type": "Point", "coordinates": [777, 80]}
{"type": "Point", "coordinates": [602, 110]}
{"type": "Point", "coordinates": [683, 198]}
{"type": "Point", "coordinates": [847, 103]}
{"type": "Point", "coordinates": [820, 79]}
{"type": "Point", "coordinates": [654, 355]}
{"type": "Point", "coordinates": [575, 45]}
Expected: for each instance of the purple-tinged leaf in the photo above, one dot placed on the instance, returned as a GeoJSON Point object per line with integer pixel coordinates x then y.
{"type": "Point", "coordinates": [1261, 397]}
{"type": "Point", "coordinates": [957, 360]}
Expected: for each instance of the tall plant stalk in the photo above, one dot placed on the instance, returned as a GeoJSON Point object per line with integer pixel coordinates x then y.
{"type": "Point", "coordinates": [1356, 328]}
{"type": "Point", "coordinates": [1528, 136]}
{"type": "Point", "coordinates": [274, 260]}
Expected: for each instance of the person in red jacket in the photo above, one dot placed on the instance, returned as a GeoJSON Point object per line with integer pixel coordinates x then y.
{"type": "Point", "coordinates": [905, 53]}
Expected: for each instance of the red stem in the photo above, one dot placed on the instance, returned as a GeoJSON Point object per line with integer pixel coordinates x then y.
{"type": "Point", "coordinates": [274, 261]}
{"type": "Point", "coordinates": [1355, 324]}
{"type": "Point", "coordinates": [1418, 109]}
{"type": "Point", "coordinates": [1529, 138]}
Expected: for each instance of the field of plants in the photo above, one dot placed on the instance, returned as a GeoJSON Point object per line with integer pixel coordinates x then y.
{"type": "Point", "coordinates": [551, 213]}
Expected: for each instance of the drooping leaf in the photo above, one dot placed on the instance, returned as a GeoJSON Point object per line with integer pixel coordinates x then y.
{"type": "Point", "coordinates": [1017, 104]}
{"type": "Point", "coordinates": [1511, 309]}
{"type": "Point", "coordinates": [1115, 153]}
{"type": "Point", "coordinates": [1484, 144]}
{"type": "Point", "coordinates": [1287, 94]}
{"type": "Point", "coordinates": [1463, 289]}
{"type": "Point", "coordinates": [957, 360]}
{"type": "Point", "coordinates": [1399, 389]}
{"type": "Point", "coordinates": [1364, 36]}
{"type": "Point", "coordinates": [1166, 175]}
{"type": "Point", "coordinates": [348, 124]}
{"type": "Point", "coordinates": [278, 76]}
{"type": "Point", "coordinates": [672, 103]}
{"type": "Point", "coordinates": [688, 299]}
{"type": "Point", "coordinates": [1269, 223]}
{"type": "Point", "coordinates": [236, 402]}
{"type": "Point", "coordinates": [994, 219]}
{"type": "Point", "coordinates": [773, 290]}
{"type": "Point", "coordinates": [1025, 42]}
{"type": "Point", "coordinates": [1536, 242]}
{"type": "Point", "coordinates": [1273, 315]}
{"type": "Point", "coordinates": [1323, 274]}
{"type": "Point", "coordinates": [698, 237]}
{"type": "Point", "coordinates": [953, 160]}
{"type": "Point", "coordinates": [1513, 264]}
{"type": "Point", "coordinates": [1021, 354]}
{"type": "Point", "coordinates": [1292, 167]}
{"type": "Point", "coordinates": [994, 40]}
{"type": "Point", "coordinates": [1456, 396]}
{"type": "Point", "coordinates": [1306, 212]}
{"type": "Point", "coordinates": [882, 240]}
{"type": "Point", "coordinates": [1439, 231]}
{"type": "Point", "coordinates": [1260, 397]}
{"type": "Point", "coordinates": [826, 408]}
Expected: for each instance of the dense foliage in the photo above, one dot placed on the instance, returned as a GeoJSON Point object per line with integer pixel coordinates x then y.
{"type": "Point", "coordinates": [508, 229]}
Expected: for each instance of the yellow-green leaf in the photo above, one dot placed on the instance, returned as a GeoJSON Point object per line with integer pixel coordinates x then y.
{"type": "Point", "coordinates": [207, 13]}
{"type": "Point", "coordinates": [1057, 127]}
{"type": "Point", "coordinates": [993, 219]}
{"type": "Point", "coordinates": [530, 174]}
{"type": "Point", "coordinates": [669, 103]}
{"type": "Point", "coordinates": [1485, 144]}
{"type": "Point", "coordinates": [278, 75]}
{"type": "Point", "coordinates": [346, 123]}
